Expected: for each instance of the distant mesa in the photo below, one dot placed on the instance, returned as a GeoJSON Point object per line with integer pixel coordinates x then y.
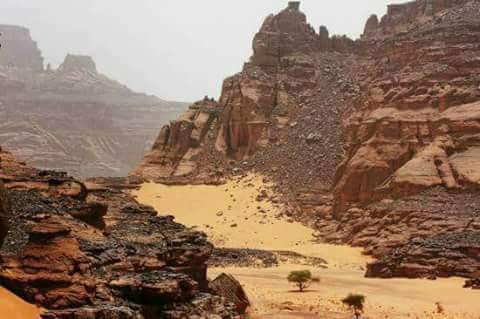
{"type": "Point", "coordinates": [78, 63]}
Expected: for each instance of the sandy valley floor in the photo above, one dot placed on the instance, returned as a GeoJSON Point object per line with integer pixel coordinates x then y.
{"type": "Point", "coordinates": [232, 217]}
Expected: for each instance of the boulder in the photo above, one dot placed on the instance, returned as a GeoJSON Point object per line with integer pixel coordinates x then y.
{"type": "Point", "coordinates": [228, 287]}
{"type": "Point", "coordinates": [472, 283]}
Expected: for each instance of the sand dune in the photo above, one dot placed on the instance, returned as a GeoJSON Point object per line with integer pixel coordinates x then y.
{"type": "Point", "coordinates": [232, 217]}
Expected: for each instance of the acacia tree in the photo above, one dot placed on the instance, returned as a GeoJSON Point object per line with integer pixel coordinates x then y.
{"type": "Point", "coordinates": [302, 279]}
{"type": "Point", "coordinates": [355, 303]}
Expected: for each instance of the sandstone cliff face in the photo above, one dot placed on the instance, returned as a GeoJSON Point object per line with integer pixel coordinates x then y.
{"type": "Point", "coordinates": [73, 118]}
{"type": "Point", "coordinates": [255, 115]}
{"type": "Point", "coordinates": [412, 146]}
{"type": "Point", "coordinates": [417, 126]}
{"type": "Point", "coordinates": [176, 153]}
{"type": "Point", "coordinates": [373, 142]}
{"type": "Point", "coordinates": [402, 18]}
{"type": "Point", "coordinates": [91, 251]}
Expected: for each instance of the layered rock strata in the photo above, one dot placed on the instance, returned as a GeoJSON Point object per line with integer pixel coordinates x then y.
{"type": "Point", "coordinates": [132, 264]}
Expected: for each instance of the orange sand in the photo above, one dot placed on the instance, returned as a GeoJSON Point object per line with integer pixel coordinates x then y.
{"type": "Point", "coordinates": [12, 307]}
{"type": "Point", "coordinates": [231, 217]}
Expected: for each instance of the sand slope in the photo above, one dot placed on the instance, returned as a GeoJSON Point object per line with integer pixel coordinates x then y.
{"type": "Point", "coordinates": [232, 217]}
{"type": "Point", "coordinates": [12, 307]}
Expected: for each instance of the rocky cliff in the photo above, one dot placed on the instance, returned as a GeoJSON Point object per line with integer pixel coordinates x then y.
{"type": "Point", "coordinates": [91, 251]}
{"type": "Point", "coordinates": [411, 145]}
{"type": "Point", "coordinates": [373, 142]}
{"type": "Point", "coordinates": [405, 17]}
{"type": "Point", "coordinates": [73, 118]}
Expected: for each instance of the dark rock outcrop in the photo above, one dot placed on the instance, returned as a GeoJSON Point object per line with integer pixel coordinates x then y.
{"type": "Point", "coordinates": [229, 288]}
{"type": "Point", "coordinates": [436, 256]}
{"type": "Point", "coordinates": [473, 283]}
{"type": "Point", "coordinates": [137, 265]}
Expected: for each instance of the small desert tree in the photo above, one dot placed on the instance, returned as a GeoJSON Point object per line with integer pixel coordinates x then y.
{"type": "Point", "coordinates": [302, 278]}
{"type": "Point", "coordinates": [355, 303]}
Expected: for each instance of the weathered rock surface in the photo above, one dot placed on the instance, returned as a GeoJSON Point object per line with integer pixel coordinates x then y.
{"type": "Point", "coordinates": [473, 283]}
{"type": "Point", "coordinates": [404, 17]}
{"type": "Point", "coordinates": [254, 124]}
{"type": "Point", "coordinates": [73, 118]}
{"type": "Point", "coordinates": [429, 258]}
{"type": "Point", "coordinates": [227, 286]}
{"type": "Point", "coordinates": [91, 251]}
{"type": "Point", "coordinates": [177, 149]}
{"type": "Point", "coordinates": [416, 126]}
{"type": "Point", "coordinates": [4, 214]}
{"type": "Point", "coordinates": [373, 142]}
{"type": "Point", "coordinates": [234, 257]}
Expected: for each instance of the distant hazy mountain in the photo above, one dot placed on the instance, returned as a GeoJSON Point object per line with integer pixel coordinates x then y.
{"type": "Point", "coordinates": [72, 118]}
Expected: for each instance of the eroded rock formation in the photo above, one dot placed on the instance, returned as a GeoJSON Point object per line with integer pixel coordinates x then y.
{"type": "Point", "coordinates": [133, 265]}
{"type": "Point", "coordinates": [73, 118]}
{"type": "Point", "coordinates": [374, 142]}
{"type": "Point", "coordinates": [405, 17]}
{"type": "Point", "coordinates": [175, 154]}
{"type": "Point", "coordinates": [258, 104]}
{"type": "Point", "coordinates": [416, 127]}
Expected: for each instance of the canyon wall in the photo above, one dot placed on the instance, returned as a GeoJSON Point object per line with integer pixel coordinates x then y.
{"type": "Point", "coordinates": [73, 118]}
{"type": "Point", "coordinates": [372, 142]}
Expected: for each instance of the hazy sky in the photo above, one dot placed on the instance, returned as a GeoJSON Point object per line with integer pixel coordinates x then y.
{"type": "Point", "coordinates": [175, 49]}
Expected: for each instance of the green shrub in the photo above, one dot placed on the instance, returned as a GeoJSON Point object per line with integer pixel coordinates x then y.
{"type": "Point", "coordinates": [355, 302]}
{"type": "Point", "coordinates": [302, 278]}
